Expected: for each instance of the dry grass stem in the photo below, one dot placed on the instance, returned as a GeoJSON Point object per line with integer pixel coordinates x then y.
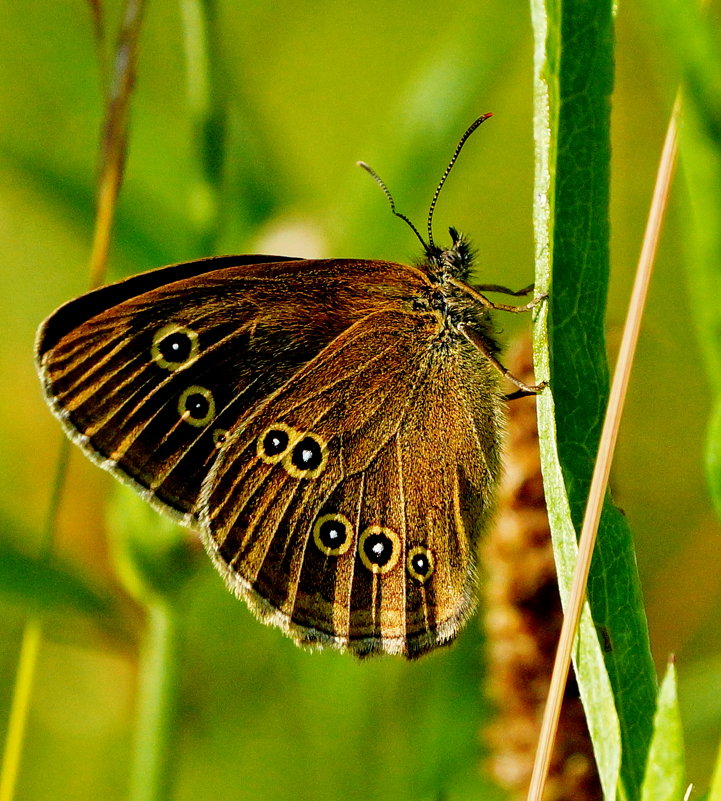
{"type": "Point", "coordinates": [602, 466]}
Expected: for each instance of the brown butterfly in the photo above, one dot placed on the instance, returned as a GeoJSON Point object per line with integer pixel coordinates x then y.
{"type": "Point", "coordinates": [332, 427]}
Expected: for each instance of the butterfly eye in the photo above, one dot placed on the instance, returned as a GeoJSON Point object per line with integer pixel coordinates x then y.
{"type": "Point", "coordinates": [174, 346]}
{"type": "Point", "coordinates": [333, 534]}
{"type": "Point", "coordinates": [379, 549]}
{"type": "Point", "coordinates": [308, 457]}
{"type": "Point", "coordinates": [274, 442]}
{"type": "Point", "coordinates": [420, 563]}
{"type": "Point", "coordinates": [196, 406]}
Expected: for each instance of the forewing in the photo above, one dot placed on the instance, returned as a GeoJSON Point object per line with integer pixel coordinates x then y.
{"type": "Point", "coordinates": [149, 374]}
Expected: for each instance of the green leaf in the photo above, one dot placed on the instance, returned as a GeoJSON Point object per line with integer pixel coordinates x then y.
{"type": "Point", "coordinates": [664, 779]}
{"type": "Point", "coordinates": [573, 84]}
{"type": "Point", "coordinates": [44, 586]}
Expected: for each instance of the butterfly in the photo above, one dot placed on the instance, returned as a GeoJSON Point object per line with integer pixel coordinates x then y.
{"type": "Point", "coordinates": [331, 427]}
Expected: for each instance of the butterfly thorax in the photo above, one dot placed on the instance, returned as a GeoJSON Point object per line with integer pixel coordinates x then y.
{"type": "Point", "coordinates": [448, 270]}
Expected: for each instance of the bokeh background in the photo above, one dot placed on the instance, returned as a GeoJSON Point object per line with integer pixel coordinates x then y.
{"type": "Point", "coordinates": [309, 89]}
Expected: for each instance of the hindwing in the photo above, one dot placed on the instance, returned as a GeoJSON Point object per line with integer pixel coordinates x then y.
{"type": "Point", "coordinates": [347, 507]}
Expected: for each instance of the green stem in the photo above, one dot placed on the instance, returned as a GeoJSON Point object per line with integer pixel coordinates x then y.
{"type": "Point", "coordinates": [30, 647]}
{"type": "Point", "coordinates": [157, 705]}
{"type": "Point", "coordinates": [113, 156]}
{"type": "Point", "coordinates": [206, 96]}
{"type": "Point", "coordinates": [22, 692]}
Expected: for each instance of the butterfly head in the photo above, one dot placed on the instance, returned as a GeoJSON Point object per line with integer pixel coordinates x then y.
{"type": "Point", "coordinates": [455, 261]}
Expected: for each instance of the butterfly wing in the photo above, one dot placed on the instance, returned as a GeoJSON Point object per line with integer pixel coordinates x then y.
{"type": "Point", "coordinates": [149, 374]}
{"type": "Point", "coordinates": [345, 509]}
{"type": "Point", "coordinates": [347, 446]}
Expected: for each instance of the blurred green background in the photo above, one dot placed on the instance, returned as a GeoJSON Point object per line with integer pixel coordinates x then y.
{"type": "Point", "coordinates": [309, 89]}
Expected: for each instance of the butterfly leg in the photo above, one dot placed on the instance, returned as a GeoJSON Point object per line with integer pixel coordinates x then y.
{"type": "Point", "coordinates": [523, 393]}
{"type": "Point", "coordinates": [503, 289]}
{"type": "Point", "coordinates": [479, 342]}
{"type": "Point", "coordinates": [489, 304]}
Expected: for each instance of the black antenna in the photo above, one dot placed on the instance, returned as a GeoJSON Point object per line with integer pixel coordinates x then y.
{"type": "Point", "coordinates": [459, 147]}
{"type": "Point", "coordinates": [429, 247]}
{"type": "Point", "coordinates": [374, 175]}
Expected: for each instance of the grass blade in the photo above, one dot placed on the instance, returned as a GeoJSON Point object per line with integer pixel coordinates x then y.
{"type": "Point", "coordinates": [664, 779]}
